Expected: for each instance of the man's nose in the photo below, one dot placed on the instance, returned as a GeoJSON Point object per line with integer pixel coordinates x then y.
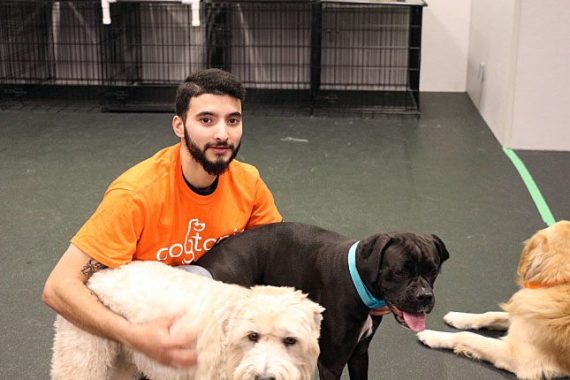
{"type": "Point", "coordinates": [221, 131]}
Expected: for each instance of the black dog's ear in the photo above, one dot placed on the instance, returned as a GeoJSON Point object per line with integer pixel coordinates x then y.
{"type": "Point", "coordinates": [374, 243]}
{"type": "Point", "coordinates": [441, 249]}
{"type": "Point", "coordinates": [370, 255]}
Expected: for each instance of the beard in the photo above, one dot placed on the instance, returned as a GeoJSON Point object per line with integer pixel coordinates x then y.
{"type": "Point", "coordinates": [211, 167]}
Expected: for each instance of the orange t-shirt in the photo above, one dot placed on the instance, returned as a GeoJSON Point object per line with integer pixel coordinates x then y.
{"type": "Point", "coordinates": [150, 213]}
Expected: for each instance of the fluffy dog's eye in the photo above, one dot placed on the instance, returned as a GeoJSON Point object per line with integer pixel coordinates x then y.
{"type": "Point", "coordinates": [289, 341]}
{"type": "Point", "coordinates": [253, 337]}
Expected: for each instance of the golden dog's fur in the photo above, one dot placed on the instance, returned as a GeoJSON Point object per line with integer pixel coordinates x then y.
{"type": "Point", "coordinates": [242, 334]}
{"type": "Point", "coordinates": [537, 317]}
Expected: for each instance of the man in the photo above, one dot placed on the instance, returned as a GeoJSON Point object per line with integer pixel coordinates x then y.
{"type": "Point", "coordinates": [172, 207]}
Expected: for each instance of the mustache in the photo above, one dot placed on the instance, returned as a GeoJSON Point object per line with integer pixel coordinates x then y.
{"type": "Point", "coordinates": [224, 145]}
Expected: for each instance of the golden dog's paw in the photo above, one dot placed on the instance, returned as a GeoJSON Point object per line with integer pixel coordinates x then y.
{"type": "Point", "coordinates": [436, 339]}
{"type": "Point", "coordinates": [461, 321]}
{"type": "Point", "coordinates": [466, 351]}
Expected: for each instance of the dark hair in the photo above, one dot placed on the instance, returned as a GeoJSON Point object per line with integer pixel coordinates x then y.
{"type": "Point", "coordinates": [209, 81]}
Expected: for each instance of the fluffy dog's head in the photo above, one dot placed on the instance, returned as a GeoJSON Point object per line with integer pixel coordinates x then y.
{"type": "Point", "coordinates": [273, 334]}
{"type": "Point", "coordinates": [408, 266]}
{"type": "Point", "coordinates": [545, 259]}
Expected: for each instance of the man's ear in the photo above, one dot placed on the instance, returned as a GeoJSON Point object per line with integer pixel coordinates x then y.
{"type": "Point", "coordinates": [178, 126]}
{"type": "Point", "coordinates": [441, 249]}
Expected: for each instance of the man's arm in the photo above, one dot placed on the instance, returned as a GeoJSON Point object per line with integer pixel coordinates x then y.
{"type": "Point", "coordinates": [66, 292]}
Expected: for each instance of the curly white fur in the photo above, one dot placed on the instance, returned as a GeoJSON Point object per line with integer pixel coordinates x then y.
{"type": "Point", "coordinates": [286, 323]}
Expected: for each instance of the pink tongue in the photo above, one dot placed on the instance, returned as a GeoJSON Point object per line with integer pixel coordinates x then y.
{"type": "Point", "coordinates": [415, 321]}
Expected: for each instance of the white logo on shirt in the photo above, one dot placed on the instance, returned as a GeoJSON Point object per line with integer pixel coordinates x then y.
{"type": "Point", "coordinates": [193, 244]}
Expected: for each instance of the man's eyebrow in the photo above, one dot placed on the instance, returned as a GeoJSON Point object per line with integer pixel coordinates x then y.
{"type": "Point", "coordinates": [205, 113]}
{"type": "Point", "coordinates": [209, 113]}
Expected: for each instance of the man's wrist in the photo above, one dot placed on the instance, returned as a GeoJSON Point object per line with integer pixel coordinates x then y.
{"type": "Point", "coordinates": [124, 332]}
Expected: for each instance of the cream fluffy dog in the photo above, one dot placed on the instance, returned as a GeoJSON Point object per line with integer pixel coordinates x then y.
{"type": "Point", "coordinates": [537, 317]}
{"type": "Point", "coordinates": [260, 333]}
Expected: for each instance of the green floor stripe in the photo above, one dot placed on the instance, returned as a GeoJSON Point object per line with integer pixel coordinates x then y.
{"type": "Point", "coordinates": [532, 188]}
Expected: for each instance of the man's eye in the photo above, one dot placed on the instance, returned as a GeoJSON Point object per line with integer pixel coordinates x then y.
{"type": "Point", "coordinates": [205, 120]}
{"type": "Point", "coordinates": [234, 121]}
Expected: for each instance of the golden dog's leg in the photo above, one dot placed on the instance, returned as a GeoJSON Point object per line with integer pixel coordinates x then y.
{"type": "Point", "coordinates": [493, 320]}
{"type": "Point", "coordinates": [474, 346]}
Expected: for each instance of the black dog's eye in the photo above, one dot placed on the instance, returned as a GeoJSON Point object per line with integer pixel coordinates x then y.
{"type": "Point", "coordinates": [431, 274]}
{"type": "Point", "coordinates": [253, 337]}
{"type": "Point", "coordinates": [289, 341]}
{"type": "Point", "coordinates": [399, 273]}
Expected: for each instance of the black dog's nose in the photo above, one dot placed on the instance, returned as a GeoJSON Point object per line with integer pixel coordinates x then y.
{"type": "Point", "coordinates": [424, 296]}
{"type": "Point", "coordinates": [260, 377]}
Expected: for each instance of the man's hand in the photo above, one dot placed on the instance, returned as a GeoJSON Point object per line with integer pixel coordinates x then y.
{"type": "Point", "coordinates": [65, 292]}
{"type": "Point", "coordinates": [155, 340]}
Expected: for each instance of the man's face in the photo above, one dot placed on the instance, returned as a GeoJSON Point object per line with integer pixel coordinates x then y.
{"type": "Point", "coordinates": [212, 131]}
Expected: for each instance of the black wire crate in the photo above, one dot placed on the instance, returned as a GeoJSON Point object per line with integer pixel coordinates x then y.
{"type": "Point", "coordinates": [370, 57]}
{"type": "Point", "coordinates": [50, 43]}
{"type": "Point", "coordinates": [313, 57]}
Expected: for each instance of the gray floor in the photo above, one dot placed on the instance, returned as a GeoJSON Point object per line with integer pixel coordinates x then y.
{"type": "Point", "coordinates": [444, 173]}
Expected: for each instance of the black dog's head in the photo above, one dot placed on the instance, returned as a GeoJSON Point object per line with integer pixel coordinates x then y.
{"type": "Point", "coordinates": [402, 268]}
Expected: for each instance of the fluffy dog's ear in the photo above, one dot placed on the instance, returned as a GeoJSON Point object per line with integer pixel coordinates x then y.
{"type": "Point", "coordinates": [225, 315]}
{"type": "Point", "coordinates": [317, 315]}
{"type": "Point", "coordinates": [441, 249]}
{"type": "Point", "coordinates": [299, 299]}
{"type": "Point", "coordinates": [310, 307]}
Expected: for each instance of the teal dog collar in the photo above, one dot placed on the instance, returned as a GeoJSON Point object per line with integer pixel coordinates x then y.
{"type": "Point", "coordinates": [365, 295]}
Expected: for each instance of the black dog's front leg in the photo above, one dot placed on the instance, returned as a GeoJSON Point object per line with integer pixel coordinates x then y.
{"type": "Point", "coordinates": [358, 362]}
{"type": "Point", "coordinates": [358, 366]}
{"type": "Point", "coordinates": [328, 373]}
{"type": "Point", "coordinates": [338, 348]}
{"type": "Point", "coordinates": [336, 345]}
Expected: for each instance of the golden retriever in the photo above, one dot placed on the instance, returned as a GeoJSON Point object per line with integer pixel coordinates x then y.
{"type": "Point", "coordinates": [537, 317]}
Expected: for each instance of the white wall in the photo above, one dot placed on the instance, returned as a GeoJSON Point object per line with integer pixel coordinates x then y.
{"type": "Point", "coordinates": [525, 47]}
{"type": "Point", "coordinates": [445, 45]}
{"type": "Point", "coordinates": [541, 108]}
{"type": "Point", "coordinates": [492, 43]}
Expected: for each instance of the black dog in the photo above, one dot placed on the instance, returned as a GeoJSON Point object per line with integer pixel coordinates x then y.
{"type": "Point", "coordinates": [396, 268]}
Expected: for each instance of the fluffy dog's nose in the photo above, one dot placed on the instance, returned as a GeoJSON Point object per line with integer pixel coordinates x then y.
{"type": "Point", "coordinates": [260, 377]}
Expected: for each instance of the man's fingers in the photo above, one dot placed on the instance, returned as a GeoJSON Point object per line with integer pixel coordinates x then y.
{"type": "Point", "coordinates": [166, 343]}
{"type": "Point", "coordinates": [182, 358]}
{"type": "Point", "coordinates": [182, 341]}
{"type": "Point", "coordinates": [169, 320]}
{"type": "Point", "coordinates": [177, 339]}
